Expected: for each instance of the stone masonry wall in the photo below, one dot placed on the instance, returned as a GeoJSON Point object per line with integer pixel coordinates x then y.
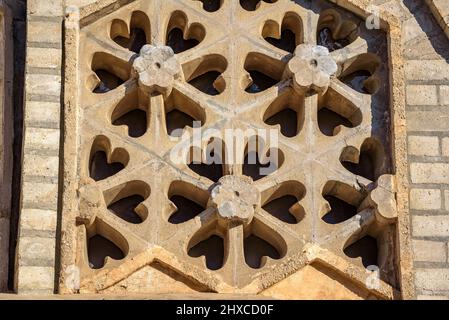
{"type": "Point", "coordinates": [426, 51]}
{"type": "Point", "coordinates": [427, 94]}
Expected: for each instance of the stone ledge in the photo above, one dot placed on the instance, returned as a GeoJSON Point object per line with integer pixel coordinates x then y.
{"type": "Point", "coordinates": [147, 297]}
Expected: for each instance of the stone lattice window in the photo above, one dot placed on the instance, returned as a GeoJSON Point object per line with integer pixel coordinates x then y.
{"type": "Point", "coordinates": [140, 75]}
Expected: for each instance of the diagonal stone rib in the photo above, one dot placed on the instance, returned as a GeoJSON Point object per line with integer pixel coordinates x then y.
{"type": "Point", "coordinates": [358, 47]}
{"type": "Point", "coordinates": [110, 47]}
{"type": "Point", "coordinates": [353, 228]}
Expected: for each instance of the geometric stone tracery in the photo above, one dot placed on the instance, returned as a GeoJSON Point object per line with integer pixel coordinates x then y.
{"type": "Point", "coordinates": [156, 66]}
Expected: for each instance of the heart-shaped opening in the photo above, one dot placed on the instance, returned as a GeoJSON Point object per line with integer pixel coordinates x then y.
{"type": "Point", "coordinates": [287, 36]}
{"type": "Point", "coordinates": [252, 5]}
{"type": "Point", "coordinates": [205, 74]}
{"type": "Point", "coordinates": [109, 73]}
{"type": "Point", "coordinates": [259, 161]}
{"type": "Point", "coordinates": [104, 243]}
{"type": "Point", "coordinates": [126, 201]}
{"type": "Point", "coordinates": [369, 162]}
{"type": "Point", "coordinates": [263, 72]}
{"type": "Point", "coordinates": [335, 112]}
{"type": "Point", "coordinates": [132, 113]}
{"type": "Point", "coordinates": [364, 250]}
{"type": "Point", "coordinates": [180, 35]}
{"type": "Point", "coordinates": [287, 111]}
{"type": "Point", "coordinates": [136, 36]}
{"type": "Point", "coordinates": [261, 242]}
{"type": "Point", "coordinates": [188, 202]}
{"type": "Point", "coordinates": [182, 112]}
{"type": "Point", "coordinates": [102, 162]}
{"type": "Point", "coordinates": [334, 31]}
{"type": "Point", "coordinates": [283, 202]}
{"type": "Point", "coordinates": [343, 202]}
{"type": "Point", "coordinates": [360, 74]}
{"type": "Point", "coordinates": [212, 248]}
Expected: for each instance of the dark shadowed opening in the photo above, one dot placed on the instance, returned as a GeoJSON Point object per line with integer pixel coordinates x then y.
{"type": "Point", "coordinates": [364, 249]}
{"type": "Point", "coordinates": [99, 248]}
{"type": "Point", "coordinates": [100, 169]}
{"type": "Point", "coordinates": [213, 249]}
{"type": "Point", "coordinates": [341, 211]}
{"type": "Point", "coordinates": [279, 208]}
{"type": "Point", "coordinates": [136, 120]}
{"type": "Point", "coordinates": [175, 40]}
{"type": "Point", "coordinates": [287, 119]}
{"type": "Point", "coordinates": [125, 209]}
{"type": "Point", "coordinates": [256, 248]}
{"type": "Point", "coordinates": [187, 210]}
{"type": "Point", "coordinates": [287, 41]}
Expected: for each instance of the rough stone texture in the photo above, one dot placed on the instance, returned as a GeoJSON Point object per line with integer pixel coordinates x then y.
{"type": "Point", "coordinates": [427, 70]}
{"type": "Point", "coordinates": [236, 200]}
{"type": "Point", "coordinates": [430, 226]}
{"type": "Point", "coordinates": [6, 138]}
{"type": "Point", "coordinates": [316, 265]}
{"type": "Point", "coordinates": [424, 146]}
{"type": "Point", "coordinates": [157, 68]}
{"type": "Point", "coordinates": [429, 251]}
{"type": "Point", "coordinates": [35, 265]}
{"type": "Point", "coordinates": [106, 163]}
{"type": "Point", "coordinates": [425, 199]}
{"type": "Point", "coordinates": [311, 68]}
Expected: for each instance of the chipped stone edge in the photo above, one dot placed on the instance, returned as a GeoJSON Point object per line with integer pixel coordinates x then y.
{"type": "Point", "coordinates": [440, 14]}
{"type": "Point", "coordinates": [35, 261]}
{"type": "Point", "coordinates": [81, 16]}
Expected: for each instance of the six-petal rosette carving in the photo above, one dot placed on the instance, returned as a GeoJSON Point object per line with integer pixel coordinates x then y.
{"type": "Point", "coordinates": [156, 69]}
{"type": "Point", "coordinates": [311, 68]}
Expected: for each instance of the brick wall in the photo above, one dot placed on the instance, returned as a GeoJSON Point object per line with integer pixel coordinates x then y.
{"type": "Point", "coordinates": [427, 97]}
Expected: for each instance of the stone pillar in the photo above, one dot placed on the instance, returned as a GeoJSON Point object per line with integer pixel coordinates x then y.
{"type": "Point", "coordinates": [36, 243]}
{"type": "Point", "coordinates": [6, 138]}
